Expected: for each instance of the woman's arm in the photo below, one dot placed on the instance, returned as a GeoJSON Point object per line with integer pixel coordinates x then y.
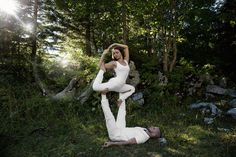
{"type": "Point", "coordinates": [106, 51]}
{"type": "Point", "coordinates": [102, 57]}
{"type": "Point", "coordinates": [110, 65]}
{"type": "Point", "coordinates": [119, 143]}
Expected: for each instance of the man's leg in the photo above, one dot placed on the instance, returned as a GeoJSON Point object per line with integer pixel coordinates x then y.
{"type": "Point", "coordinates": [120, 120]}
{"type": "Point", "coordinates": [109, 117]}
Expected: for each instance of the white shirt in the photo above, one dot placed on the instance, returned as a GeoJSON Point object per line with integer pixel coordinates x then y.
{"type": "Point", "coordinates": [134, 132]}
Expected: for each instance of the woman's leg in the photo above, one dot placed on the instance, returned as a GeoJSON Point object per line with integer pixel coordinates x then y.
{"type": "Point", "coordinates": [125, 91]}
{"type": "Point", "coordinates": [98, 85]}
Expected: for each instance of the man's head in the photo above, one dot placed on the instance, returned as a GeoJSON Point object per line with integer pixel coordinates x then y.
{"type": "Point", "coordinates": [155, 132]}
{"type": "Point", "coordinates": [117, 53]}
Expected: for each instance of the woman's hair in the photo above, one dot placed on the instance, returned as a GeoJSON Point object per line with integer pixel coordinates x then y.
{"type": "Point", "coordinates": [121, 49]}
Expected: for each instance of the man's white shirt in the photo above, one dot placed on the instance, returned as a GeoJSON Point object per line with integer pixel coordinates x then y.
{"type": "Point", "coordinates": [134, 132]}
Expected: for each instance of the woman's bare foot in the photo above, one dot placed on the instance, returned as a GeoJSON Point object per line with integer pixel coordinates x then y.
{"type": "Point", "coordinates": [119, 101]}
{"type": "Point", "coordinates": [126, 91]}
{"type": "Point", "coordinates": [103, 67]}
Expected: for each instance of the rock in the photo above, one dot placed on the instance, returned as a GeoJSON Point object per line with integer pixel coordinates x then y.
{"type": "Point", "coordinates": [140, 101]}
{"type": "Point", "coordinates": [223, 82]}
{"type": "Point", "coordinates": [203, 105]}
{"type": "Point", "coordinates": [208, 120]}
{"type": "Point", "coordinates": [215, 89]}
{"type": "Point", "coordinates": [138, 97]}
{"type": "Point", "coordinates": [209, 96]}
{"type": "Point", "coordinates": [163, 80]}
{"type": "Point", "coordinates": [231, 92]}
{"type": "Point", "coordinates": [232, 103]}
{"type": "Point", "coordinates": [162, 140]}
{"type": "Point", "coordinates": [219, 90]}
{"type": "Point", "coordinates": [232, 112]}
{"type": "Point", "coordinates": [223, 129]}
{"type": "Point", "coordinates": [134, 77]}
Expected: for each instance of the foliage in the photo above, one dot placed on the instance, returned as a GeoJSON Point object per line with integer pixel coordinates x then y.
{"type": "Point", "coordinates": [178, 82]}
{"type": "Point", "coordinates": [70, 37]}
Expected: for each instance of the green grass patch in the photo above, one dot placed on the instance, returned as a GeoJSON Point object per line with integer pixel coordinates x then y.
{"type": "Point", "coordinates": [37, 127]}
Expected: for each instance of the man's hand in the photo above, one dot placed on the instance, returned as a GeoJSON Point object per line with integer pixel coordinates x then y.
{"type": "Point", "coordinates": [119, 143]}
{"type": "Point", "coordinates": [107, 144]}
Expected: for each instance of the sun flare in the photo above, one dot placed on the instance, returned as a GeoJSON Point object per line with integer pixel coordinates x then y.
{"type": "Point", "coordinates": [8, 6]}
{"type": "Point", "coordinates": [28, 27]}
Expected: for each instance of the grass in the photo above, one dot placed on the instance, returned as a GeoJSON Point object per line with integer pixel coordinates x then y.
{"type": "Point", "coordinates": [38, 127]}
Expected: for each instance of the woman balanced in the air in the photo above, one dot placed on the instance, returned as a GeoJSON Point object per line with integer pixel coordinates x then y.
{"type": "Point", "coordinates": [120, 55]}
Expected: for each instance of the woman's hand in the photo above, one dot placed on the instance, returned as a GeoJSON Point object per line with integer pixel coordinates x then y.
{"type": "Point", "coordinates": [106, 51]}
{"type": "Point", "coordinates": [112, 45]}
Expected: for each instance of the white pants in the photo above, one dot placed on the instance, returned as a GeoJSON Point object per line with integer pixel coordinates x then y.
{"type": "Point", "coordinates": [114, 127]}
{"type": "Point", "coordinates": [114, 84]}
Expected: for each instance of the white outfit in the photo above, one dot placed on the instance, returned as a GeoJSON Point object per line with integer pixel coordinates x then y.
{"type": "Point", "coordinates": [117, 129]}
{"type": "Point", "coordinates": [117, 83]}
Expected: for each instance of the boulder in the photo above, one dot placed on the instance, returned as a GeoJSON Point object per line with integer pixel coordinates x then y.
{"type": "Point", "coordinates": [221, 91]}
{"type": "Point", "coordinates": [223, 82]}
{"type": "Point", "coordinates": [215, 89]}
{"type": "Point", "coordinates": [163, 80]}
{"type": "Point", "coordinates": [134, 77]}
{"type": "Point", "coordinates": [138, 97]}
{"type": "Point", "coordinates": [204, 105]}
{"type": "Point", "coordinates": [232, 112]}
{"type": "Point", "coordinates": [232, 103]}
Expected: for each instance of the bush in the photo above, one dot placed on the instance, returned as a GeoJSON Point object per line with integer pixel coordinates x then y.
{"type": "Point", "coordinates": [178, 82]}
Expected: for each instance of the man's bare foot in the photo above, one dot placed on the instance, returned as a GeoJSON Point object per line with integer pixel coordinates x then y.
{"type": "Point", "coordinates": [103, 67]}
{"type": "Point", "coordinates": [104, 92]}
{"type": "Point", "coordinates": [119, 101]}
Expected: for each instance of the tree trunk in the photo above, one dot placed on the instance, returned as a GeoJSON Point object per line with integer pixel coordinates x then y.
{"type": "Point", "coordinates": [68, 92]}
{"type": "Point", "coordinates": [174, 48]}
{"type": "Point", "coordinates": [34, 50]}
{"type": "Point", "coordinates": [165, 59]}
{"type": "Point", "coordinates": [93, 43]}
{"type": "Point", "coordinates": [124, 22]}
{"type": "Point", "coordinates": [34, 31]}
{"type": "Point", "coordinates": [152, 50]}
{"type": "Point", "coordinates": [166, 52]}
{"type": "Point", "coordinates": [88, 38]}
{"type": "Point", "coordinates": [174, 51]}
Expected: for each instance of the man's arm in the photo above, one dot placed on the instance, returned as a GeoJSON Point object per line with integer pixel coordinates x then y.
{"type": "Point", "coordinates": [119, 143]}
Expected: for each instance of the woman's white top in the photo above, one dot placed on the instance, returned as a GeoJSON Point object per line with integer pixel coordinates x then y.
{"type": "Point", "coordinates": [122, 71]}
